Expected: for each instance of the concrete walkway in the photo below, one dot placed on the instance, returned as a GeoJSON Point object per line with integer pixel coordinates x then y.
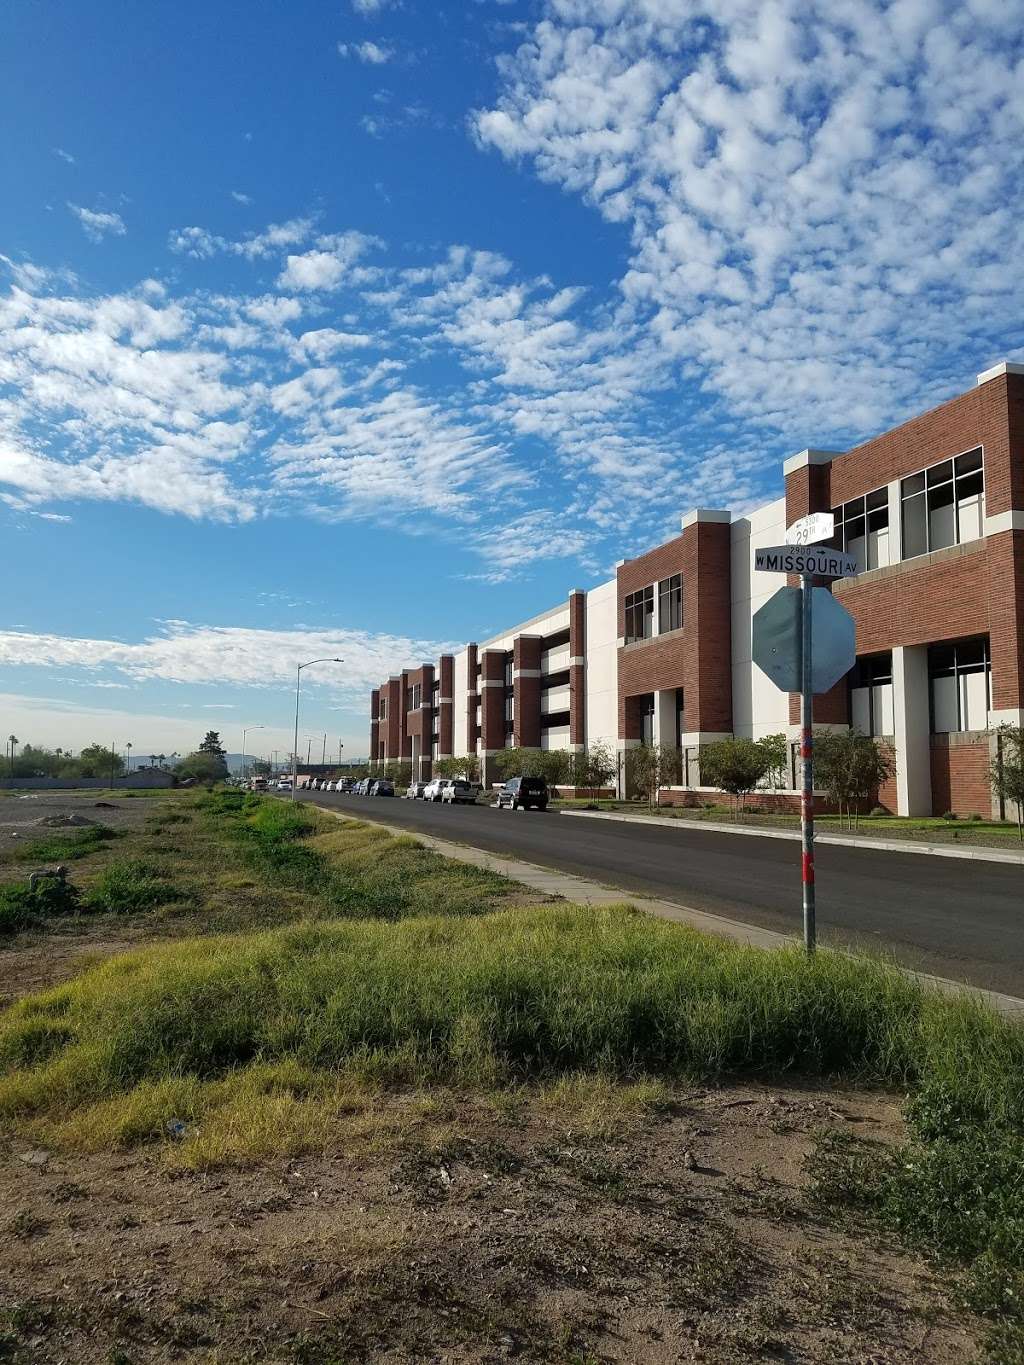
{"type": "Point", "coordinates": [579, 891]}
{"type": "Point", "coordinates": [682, 825]}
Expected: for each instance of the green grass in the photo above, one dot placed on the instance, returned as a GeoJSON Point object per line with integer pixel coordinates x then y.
{"type": "Point", "coordinates": [130, 885]}
{"type": "Point", "coordinates": [22, 905]}
{"type": "Point", "coordinates": [347, 869]}
{"type": "Point", "coordinates": [77, 843]}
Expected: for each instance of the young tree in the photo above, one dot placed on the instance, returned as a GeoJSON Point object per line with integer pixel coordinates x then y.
{"type": "Point", "coordinates": [211, 744]}
{"type": "Point", "coordinates": [466, 765]}
{"type": "Point", "coordinates": [643, 772]}
{"type": "Point", "coordinates": [1007, 771]}
{"type": "Point", "coordinates": [851, 767]}
{"type": "Point", "coordinates": [776, 752]}
{"type": "Point", "coordinates": [399, 771]}
{"type": "Point", "coordinates": [593, 767]}
{"type": "Point", "coordinates": [735, 766]}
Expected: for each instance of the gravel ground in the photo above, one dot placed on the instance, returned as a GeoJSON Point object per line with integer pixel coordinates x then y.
{"type": "Point", "coordinates": [22, 813]}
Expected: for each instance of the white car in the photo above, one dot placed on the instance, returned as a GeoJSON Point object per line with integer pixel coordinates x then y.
{"type": "Point", "coordinates": [285, 785]}
{"type": "Point", "coordinates": [434, 791]}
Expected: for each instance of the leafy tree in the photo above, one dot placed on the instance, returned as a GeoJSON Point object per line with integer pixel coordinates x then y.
{"type": "Point", "coordinates": [203, 766]}
{"type": "Point", "coordinates": [400, 772]}
{"type": "Point", "coordinates": [644, 765]}
{"type": "Point", "coordinates": [211, 744]}
{"type": "Point", "coordinates": [593, 767]}
{"type": "Point", "coordinates": [1007, 771]}
{"type": "Point", "coordinates": [466, 765]}
{"type": "Point", "coordinates": [735, 766]}
{"type": "Point", "coordinates": [98, 760]}
{"type": "Point", "coordinates": [776, 750]}
{"type": "Point", "coordinates": [555, 765]}
{"type": "Point", "coordinates": [851, 767]}
{"type": "Point", "coordinates": [260, 767]}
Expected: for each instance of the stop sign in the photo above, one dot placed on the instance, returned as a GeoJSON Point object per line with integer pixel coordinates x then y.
{"type": "Point", "coordinates": [776, 645]}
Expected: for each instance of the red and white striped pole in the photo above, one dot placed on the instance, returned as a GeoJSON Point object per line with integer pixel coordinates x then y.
{"type": "Point", "coordinates": [807, 762]}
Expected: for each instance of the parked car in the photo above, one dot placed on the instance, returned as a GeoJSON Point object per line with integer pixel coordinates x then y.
{"type": "Point", "coordinates": [458, 789]}
{"type": "Point", "coordinates": [415, 790]}
{"type": "Point", "coordinates": [520, 793]}
{"type": "Point", "coordinates": [343, 784]}
{"type": "Point", "coordinates": [285, 784]}
{"type": "Point", "coordinates": [383, 787]}
{"type": "Point", "coordinates": [435, 789]}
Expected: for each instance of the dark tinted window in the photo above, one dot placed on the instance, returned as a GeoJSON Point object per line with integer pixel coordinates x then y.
{"type": "Point", "coordinates": [533, 784]}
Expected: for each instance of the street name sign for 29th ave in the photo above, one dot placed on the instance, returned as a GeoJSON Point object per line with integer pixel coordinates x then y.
{"type": "Point", "coordinates": [818, 560]}
{"type": "Point", "coordinates": [815, 526]}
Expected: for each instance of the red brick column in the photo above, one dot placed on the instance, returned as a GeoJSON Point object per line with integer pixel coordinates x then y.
{"type": "Point", "coordinates": [1006, 618]}
{"type": "Point", "coordinates": [393, 724]}
{"type": "Point", "coordinates": [445, 704]}
{"type": "Point", "coordinates": [472, 698]}
{"type": "Point", "coordinates": [577, 669]}
{"type": "Point", "coordinates": [707, 620]}
{"type": "Point", "coordinates": [526, 680]}
{"type": "Point", "coordinates": [492, 700]}
{"type": "Point", "coordinates": [374, 724]}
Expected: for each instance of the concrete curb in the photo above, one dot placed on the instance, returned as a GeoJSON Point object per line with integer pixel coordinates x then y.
{"type": "Point", "coordinates": [985, 855]}
{"type": "Point", "coordinates": [579, 891]}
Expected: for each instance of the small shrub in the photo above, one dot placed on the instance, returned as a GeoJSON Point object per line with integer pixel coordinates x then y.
{"type": "Point", "coordinates": [21, 904]}
{"type": "Point", "coordinates": [975, 816]}
{"type": "Point", "coordinates": [130, 885]}
{"type": "Point", "coordinates": [949, 815]}
{"type": "Point", "coordinates": [77, 843]}
{"type": "Point", "coordinates": [879, 810]}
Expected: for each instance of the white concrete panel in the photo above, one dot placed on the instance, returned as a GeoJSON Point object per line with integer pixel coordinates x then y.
{"type": "Point", "coordinates": [759, 708]}
{"type": "Point", "coordinates": [547, 623]}
{"type": "Point", "coordinates": [555, 660]}
{"type": "Point", "coordinates": [554, 699]}
{"type": "Point", "coordinates": [602, 670]}
{"type": "Point", "coordinates": [460, 673]}
{"type": "Point", "coordinates": [973, 701]}
{"type": "Point", "coordinates": [555, 739]}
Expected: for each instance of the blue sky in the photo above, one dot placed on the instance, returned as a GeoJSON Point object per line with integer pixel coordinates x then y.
{"type": "Point", "coordinates": [313, 317]}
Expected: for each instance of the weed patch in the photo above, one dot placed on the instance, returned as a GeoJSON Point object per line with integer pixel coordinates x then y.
{"type": "Point", "coordinates": [63, 848]}
{"type": "Point", "coordinates": [22, 905]}
{"type": "Point", "coordinates": [130, 885]}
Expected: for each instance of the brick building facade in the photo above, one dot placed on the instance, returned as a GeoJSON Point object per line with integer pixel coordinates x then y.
{"type": "Point", "coordinates": [933, 511]}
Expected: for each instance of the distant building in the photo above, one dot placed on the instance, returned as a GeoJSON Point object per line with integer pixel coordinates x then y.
{"type": "Point", "coordinates": [934, 512]}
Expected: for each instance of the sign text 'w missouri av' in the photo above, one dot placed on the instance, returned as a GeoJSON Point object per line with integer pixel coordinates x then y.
{"type": "Point", "coordinates": [806, 559]}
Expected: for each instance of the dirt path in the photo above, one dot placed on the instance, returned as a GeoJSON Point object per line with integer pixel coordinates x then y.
{"type": "Point", "coordinates": [477, 1239]}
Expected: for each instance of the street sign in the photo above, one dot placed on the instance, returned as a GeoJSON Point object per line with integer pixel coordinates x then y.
{"type": "Point", "coordinates": [814, 527]}
{"type": "Point", "coordinates": [777, 647]}
{"type": "Point", "coordinates": [816, 560]}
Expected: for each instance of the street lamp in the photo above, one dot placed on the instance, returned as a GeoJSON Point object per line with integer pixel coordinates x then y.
{"type": "Point", "coordinates": [298, 683]}
{"type": "Point", "coordinates": [245, 731]}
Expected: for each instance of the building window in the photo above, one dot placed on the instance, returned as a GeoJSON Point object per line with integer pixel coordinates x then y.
{"type": "Point", "coordinates": [862, 529]}
{"type": "Point", "coordinates": [383, 708]}
{"type": "Point", "coordinates": [943, 506]}
{"type": "Point", "coordinates": [413, 697]}
{"type": "Point", "coordinates": [640, 614]}
{"type": "Point", "coordinates": [508, 670]}
{"type": "Point", "coordinates": [960, 686]}
{"type": "Point", "coordinates": [680, 717]}
{"type": "Point", "coordinates": [871, 696]}
{"type": "Point", "coordinates": [670, 603]}
{"type": "Point", "coordinates": [647, 719]}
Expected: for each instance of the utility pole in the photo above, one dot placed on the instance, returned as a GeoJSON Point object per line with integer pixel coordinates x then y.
{"type": "Point", "coordinates": [323, 759]}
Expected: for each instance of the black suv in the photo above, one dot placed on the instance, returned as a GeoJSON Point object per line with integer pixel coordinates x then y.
{"type": "Point", "coordinates": [520, 793]}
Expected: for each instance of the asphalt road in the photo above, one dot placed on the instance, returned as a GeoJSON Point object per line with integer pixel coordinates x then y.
{"type": "Point", "coordinates": [951, 917]}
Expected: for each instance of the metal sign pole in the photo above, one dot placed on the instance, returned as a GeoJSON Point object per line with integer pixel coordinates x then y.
{"type": "Point", "coordinates": [807, 761]}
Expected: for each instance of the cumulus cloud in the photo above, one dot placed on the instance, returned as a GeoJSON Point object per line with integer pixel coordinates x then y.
{"type": "Point", "coordinates": [374, 54]}
{"type": "Point", "coordinates": [184, 653]}
{"type": "Point", "coordinates": [96, 224]}
{"type": "Point", "coordinates": [814, 191]}
{"type": "Point", "coordinates": [326, 266]}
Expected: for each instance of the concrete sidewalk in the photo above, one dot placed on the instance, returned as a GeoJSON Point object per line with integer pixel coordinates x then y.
{"type": "Point", "coordinates": [975, 852]}
{"type": "Point", "coordinates": [582, 892]}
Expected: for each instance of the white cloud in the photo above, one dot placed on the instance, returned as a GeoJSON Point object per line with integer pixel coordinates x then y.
{"type": "Point", "coordinates": [241, 198]}
{"type": "Point", "coordinates": [374, 54]}
{"type": "Point", "coordinates": [367, 7]}
{"type": "Point", "coordinates": [814, 191]}
{"type": "Point", "coordinates": [64, 156]}
{"type": "Point", "coordinates": [328, 265]}
{"type": "Point", "coordinates": [185, 653]}
{"type": "Point", "coordinates": [96, 224]}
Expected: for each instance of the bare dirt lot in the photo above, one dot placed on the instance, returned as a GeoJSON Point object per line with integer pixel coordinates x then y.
{"type": "Point", "coordinates": [26, 816]}
{"type": "Point", "coordinates": [481, 1237]}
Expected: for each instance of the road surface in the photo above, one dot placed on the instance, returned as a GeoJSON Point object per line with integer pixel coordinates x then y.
{"type": "Point", "coordinates": [948, 916]}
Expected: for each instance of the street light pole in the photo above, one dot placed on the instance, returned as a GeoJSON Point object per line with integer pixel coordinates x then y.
{"type": "Point", "coordinates": [298, 684]}
{"type": "Point", "coordinates": [245, 731]}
